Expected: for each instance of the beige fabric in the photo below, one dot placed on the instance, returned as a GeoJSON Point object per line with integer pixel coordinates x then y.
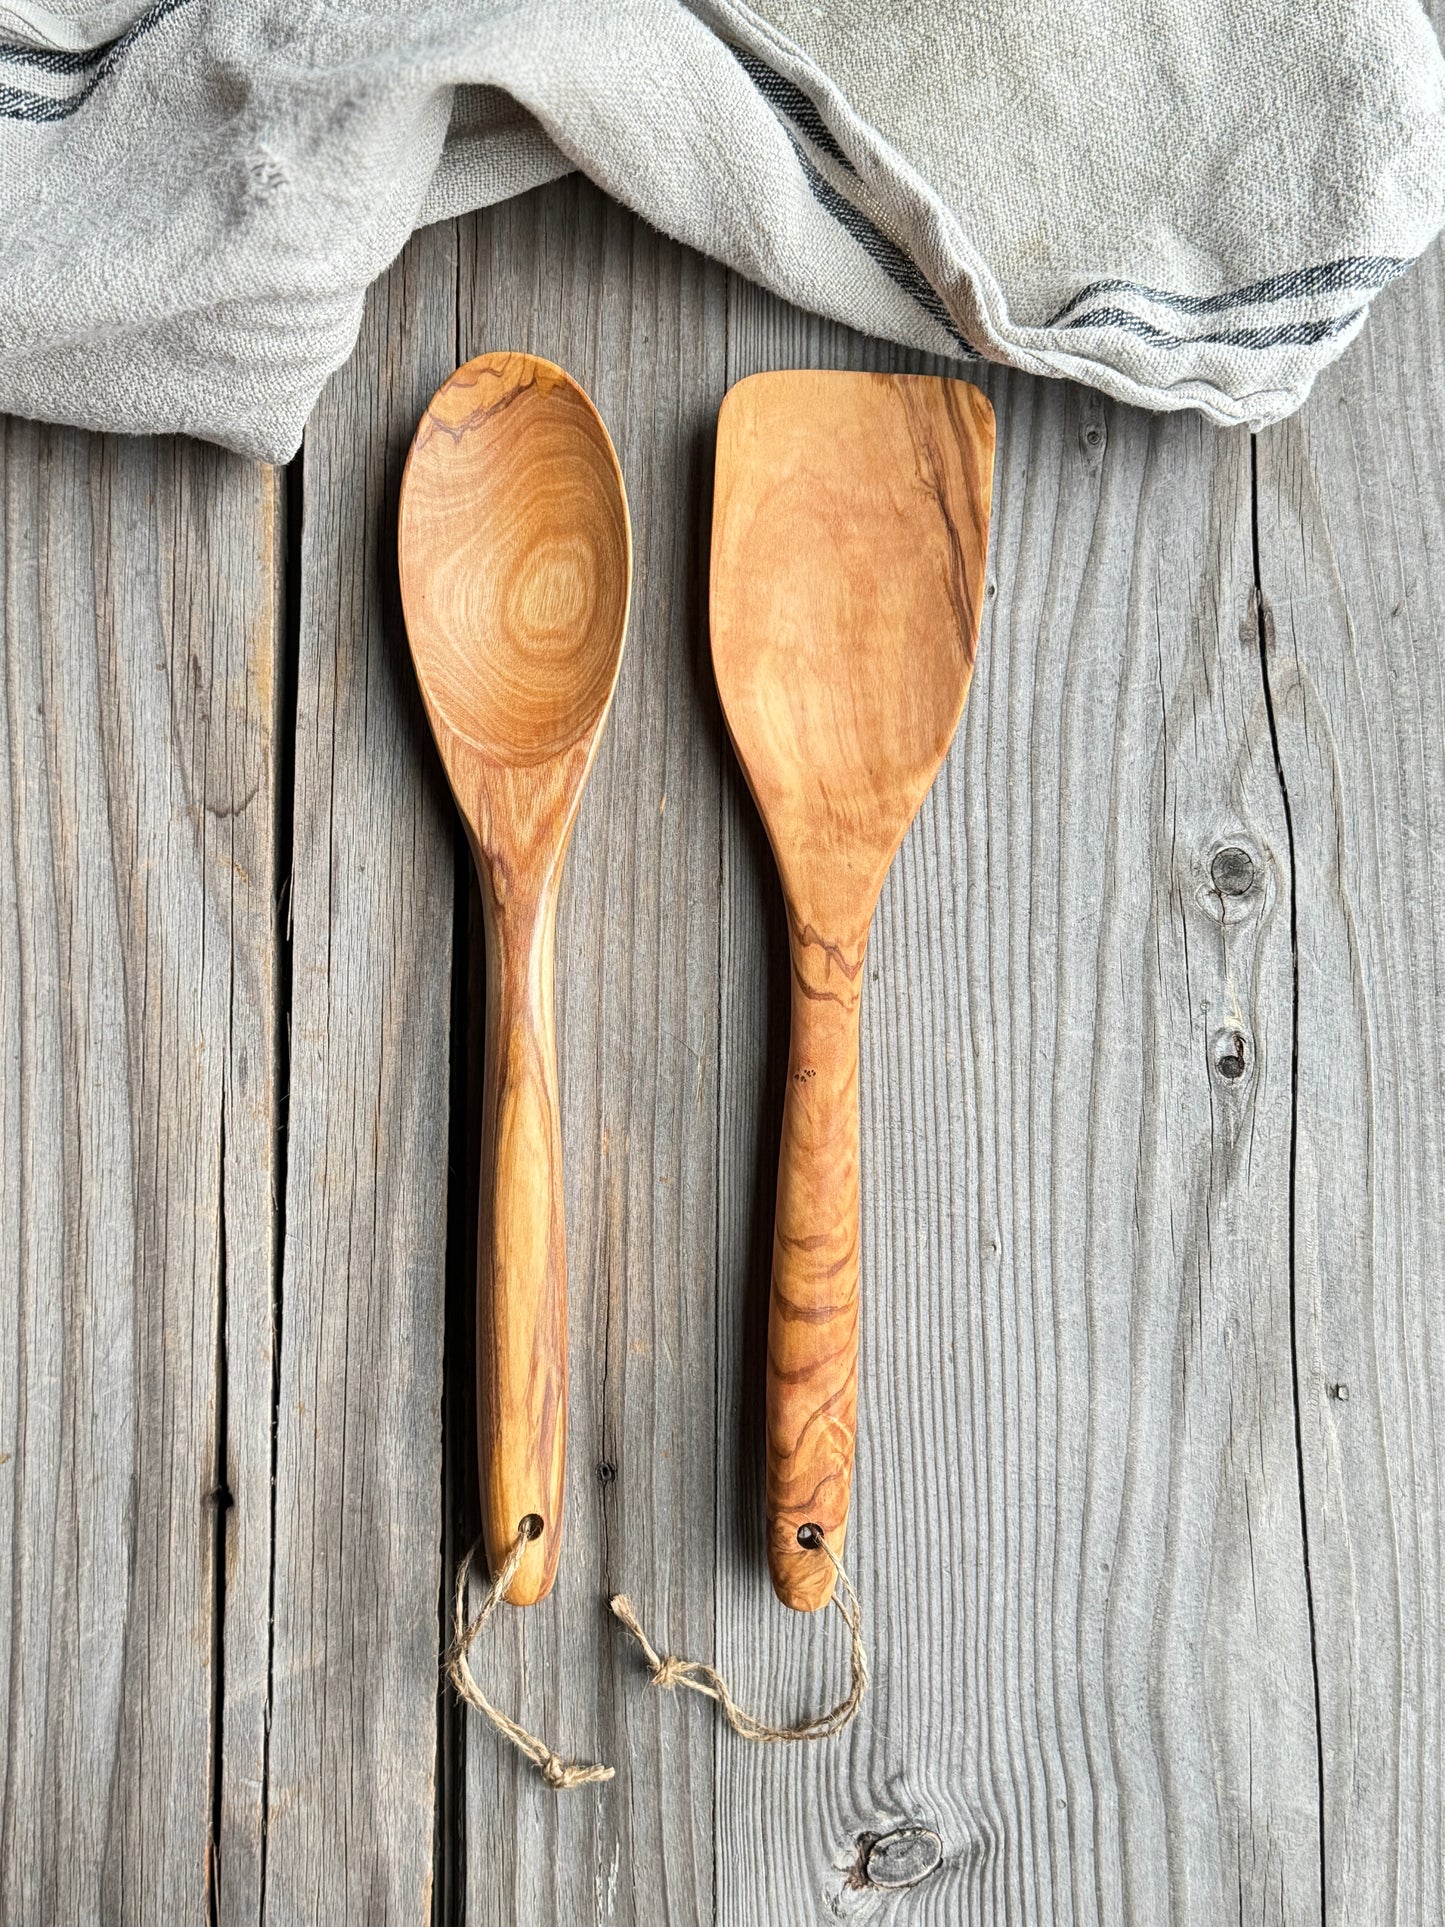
{"type": "Point", "coordinates": [1184, 202]}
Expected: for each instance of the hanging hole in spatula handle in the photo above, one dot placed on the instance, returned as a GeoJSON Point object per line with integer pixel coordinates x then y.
{"type": "Point", "coordinates": [813, 1315]}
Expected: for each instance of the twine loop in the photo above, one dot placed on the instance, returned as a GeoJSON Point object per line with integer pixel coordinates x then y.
{"type": "Point", "coordinates": [669, 1671]}
{"type": "Point", "coordinates": [558, 1773]}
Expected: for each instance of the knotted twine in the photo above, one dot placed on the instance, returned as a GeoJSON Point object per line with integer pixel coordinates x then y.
{"type": "Point", "coordinates": [667, 1670]}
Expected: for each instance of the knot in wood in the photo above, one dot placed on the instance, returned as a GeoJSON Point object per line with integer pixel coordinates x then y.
{"type": "Point", "coordinates": [1232, 871]}
{"type": "Point", "coordinates": [898, 1859]}
{"type": "Point", "coordinates": [1231, 1054]}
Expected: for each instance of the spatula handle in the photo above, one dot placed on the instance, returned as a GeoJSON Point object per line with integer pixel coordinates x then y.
{"type": "Point", "coordinates": [521, 1253]}
{"type": "Point", "coordinates": [813, 1316]}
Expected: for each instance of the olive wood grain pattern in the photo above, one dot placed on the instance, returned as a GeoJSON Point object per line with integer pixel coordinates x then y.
{"type": "Point", "coordinates": [516, 562]}
{"type": "Point", "coordinates": [850, 533]}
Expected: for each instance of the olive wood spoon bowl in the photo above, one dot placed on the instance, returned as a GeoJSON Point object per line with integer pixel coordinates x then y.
{"type": "Point", "coordinates": [516, 565]}
{"type": "Point", "coordinates": [850, 529]}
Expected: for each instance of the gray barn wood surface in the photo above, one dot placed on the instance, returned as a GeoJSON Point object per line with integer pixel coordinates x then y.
{"type": "Point", "coordinates": [1149, 1521]}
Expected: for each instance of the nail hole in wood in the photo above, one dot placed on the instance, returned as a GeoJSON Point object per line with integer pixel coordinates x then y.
{"type": "Point", "coordinates": [531, 1526]}
{"type": "Point", "coordinates": [606, 1471]}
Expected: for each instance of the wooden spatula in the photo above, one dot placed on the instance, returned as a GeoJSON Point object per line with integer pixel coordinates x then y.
{"type": "Point", "coordinates": [850, 529]}
{"type": "Point", "coordinates": [516, 569]}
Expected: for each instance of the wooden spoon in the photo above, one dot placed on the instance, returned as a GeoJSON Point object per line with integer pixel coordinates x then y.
{"type": "Point", "coordinates": [850, 528]}
{"type": "Point", "coordinates": [516, 568]}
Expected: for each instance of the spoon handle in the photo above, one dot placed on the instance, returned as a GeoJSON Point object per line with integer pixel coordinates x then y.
{"type": "Point", "coordinates": [813, 1316]}
{"type": "Point", "coordinates": [521, 1252]}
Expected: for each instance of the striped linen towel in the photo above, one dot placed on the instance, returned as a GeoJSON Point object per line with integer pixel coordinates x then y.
{"type": "Point", "coordinates": [1188, 203]}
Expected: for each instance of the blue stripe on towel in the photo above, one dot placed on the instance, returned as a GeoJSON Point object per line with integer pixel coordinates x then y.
{"type": "Point", "coordinates": [18, 103]}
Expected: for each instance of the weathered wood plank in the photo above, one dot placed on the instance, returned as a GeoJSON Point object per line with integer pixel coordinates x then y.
{"type": "Point", "coordinates": [1352, 566]}
{"type": "Point", "coordinates": [1076, 1518]}
{"type": "Point", "coordinates": [641, 323]}
{"type": "Point", "coordinates": [137, 1011]}
{"type": "Point", "coordinates": [358, 1457]}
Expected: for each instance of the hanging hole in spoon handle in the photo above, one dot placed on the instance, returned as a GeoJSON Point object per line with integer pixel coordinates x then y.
{"type": "Point", "coordinates": [515, 561]}
{"type": "Point", "coordinates": [521, 1255]}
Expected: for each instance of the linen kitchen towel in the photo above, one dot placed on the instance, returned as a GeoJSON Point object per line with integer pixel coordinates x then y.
{"type": "Point", "coordinates": [1188, 203]}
